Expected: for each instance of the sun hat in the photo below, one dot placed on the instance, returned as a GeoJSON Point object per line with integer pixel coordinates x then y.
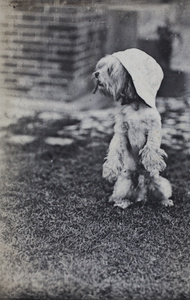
{"type": "Point", "coordinates": [146, 73]}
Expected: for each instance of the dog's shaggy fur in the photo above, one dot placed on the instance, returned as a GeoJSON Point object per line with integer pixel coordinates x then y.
{"type": "Point", "coordinates": [135, 159]}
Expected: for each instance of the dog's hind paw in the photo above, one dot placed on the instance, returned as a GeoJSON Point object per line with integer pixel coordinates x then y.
{"type": "Point", "coordinates": [167, 202]}
{"type": "Point", "coordinates": [122, 203]}
{"type": "Point", "coordinates": [142, 199]}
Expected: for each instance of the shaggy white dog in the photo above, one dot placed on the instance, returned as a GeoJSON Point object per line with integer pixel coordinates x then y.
{"type": "Point", "coordinates": [135, 159]}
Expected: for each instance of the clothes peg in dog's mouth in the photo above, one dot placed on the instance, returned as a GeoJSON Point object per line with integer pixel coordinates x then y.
{"type": "Point", "coordinates": [96, 87]}
{"type": "Point", "coordinates": [98, 84]}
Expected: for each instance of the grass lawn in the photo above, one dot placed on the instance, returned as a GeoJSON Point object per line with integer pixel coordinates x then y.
{"type": "Point", "coordinates": [61, 239]}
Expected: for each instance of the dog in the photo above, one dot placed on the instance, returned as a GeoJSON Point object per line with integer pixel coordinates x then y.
{"type": "Point", "coordinates": [134, 159]}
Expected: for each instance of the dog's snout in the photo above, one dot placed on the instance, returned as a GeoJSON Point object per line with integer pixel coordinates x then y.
{"type": "Point", "coordinates": [96, 74]}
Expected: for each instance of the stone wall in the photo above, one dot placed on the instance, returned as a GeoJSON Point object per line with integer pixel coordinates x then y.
{"type": "Point", "coordinates": [49, 50]}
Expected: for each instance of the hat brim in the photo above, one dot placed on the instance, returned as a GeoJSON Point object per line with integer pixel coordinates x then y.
{"type": "Point", "coordinates": [145, 72]}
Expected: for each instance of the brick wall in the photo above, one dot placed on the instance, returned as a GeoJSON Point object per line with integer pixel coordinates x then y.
{"type": "Point", "coordinates": [49, 50]}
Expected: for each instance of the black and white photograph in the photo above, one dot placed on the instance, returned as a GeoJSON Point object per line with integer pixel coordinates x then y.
{"type": "Point", "coordinates": [95, 149]}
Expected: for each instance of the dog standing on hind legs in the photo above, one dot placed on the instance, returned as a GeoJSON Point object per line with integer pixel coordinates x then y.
{"type": "Point", "coordinates": [135, 159]}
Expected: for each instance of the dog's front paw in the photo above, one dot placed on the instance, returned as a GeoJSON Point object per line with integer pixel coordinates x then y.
{"type": "Point", "coordinates": [109, 172]}
{"type": "Point", "coordinates": [152, 159]}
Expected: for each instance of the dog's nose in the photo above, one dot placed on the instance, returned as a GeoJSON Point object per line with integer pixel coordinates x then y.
{"type": "Point", "coordinates": [96, 74]}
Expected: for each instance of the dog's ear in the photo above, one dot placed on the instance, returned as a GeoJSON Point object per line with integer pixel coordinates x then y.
{"type": "Point", "coordinates": [110, 69]}
{"type": "Point", "coordinates": [130, 91]}
{"type": "Point", "coordinates": [125, 90]}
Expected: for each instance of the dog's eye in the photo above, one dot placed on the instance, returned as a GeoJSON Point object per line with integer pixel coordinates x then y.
{"type": "Point", "coordinates": [109, 70]}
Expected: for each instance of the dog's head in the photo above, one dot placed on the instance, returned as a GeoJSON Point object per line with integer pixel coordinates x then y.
{"type": "Point", "coordinates": [112, 79]}
{"type": "Point", "coordinates": [128, 76]}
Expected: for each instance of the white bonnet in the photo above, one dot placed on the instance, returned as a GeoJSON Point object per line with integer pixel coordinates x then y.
{"type": "Point", "coordinates": [146, 73]}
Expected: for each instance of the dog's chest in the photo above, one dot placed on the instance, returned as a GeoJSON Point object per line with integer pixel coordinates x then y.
{"type": "Point", "coordinates": [128, 119]}
{"type": "Point", "coordinates": [131, 123]}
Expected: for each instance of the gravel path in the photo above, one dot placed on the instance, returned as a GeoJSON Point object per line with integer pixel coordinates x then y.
{"type": "Point", "coordinates": [175, 120]}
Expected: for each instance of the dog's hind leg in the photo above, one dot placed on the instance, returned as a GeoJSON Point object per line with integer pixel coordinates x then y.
{"type": "Point", "coordinates": [161, 189]}
{"type": "Point", "coordinates": [123, 190]}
